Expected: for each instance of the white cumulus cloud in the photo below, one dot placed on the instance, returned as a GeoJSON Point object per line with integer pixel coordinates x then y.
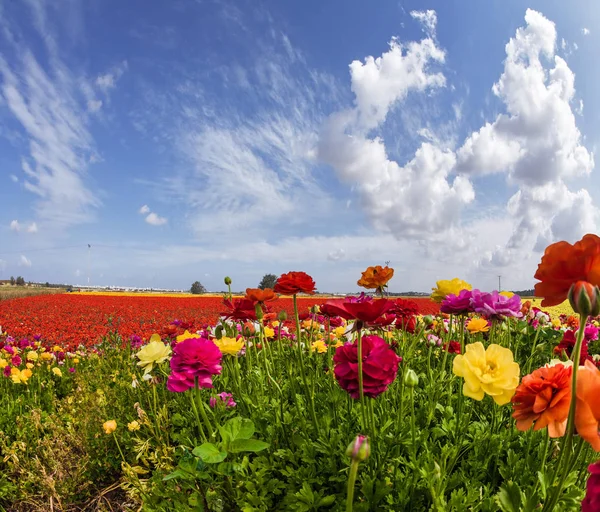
{"type": "Point", "coordinates": [155, 220]}
{"type": "Point", "coordinates": [145, 209]}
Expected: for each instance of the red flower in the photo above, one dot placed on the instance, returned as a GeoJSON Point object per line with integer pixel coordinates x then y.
{"type": "Point", "coordinates": [295, 282]}
{"type": "Point", "coordinates": [591, 502]}
{"type": "Point", "coordinates": [240, 309]}
{"type": "Point", "coordinates": [406, 308]}
{"type": "Point", "coordinates": [452, 347]}
{"type": "Point", "coordinates": [543, 398]}
{"type": "Point", "coordinates": [564, 264]}
{"type": "Point", "coordinates": [407, 324]}
{"type": "Point", "coordinates": [365, 311]}
{"type": "Point", "coordinates": [380, 365]}
{"type": "Point", "coordinates": [258, 295]}
{"type": "Point", "coordinates": [567, 344]}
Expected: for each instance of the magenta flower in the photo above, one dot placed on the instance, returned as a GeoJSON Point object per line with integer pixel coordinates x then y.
{"type": "Point", "coordinates": [591, 332]}
{"type": "Point", "coordinates": [495, 306]}
{"type": "Point", "coordinates": [194, 358]}
{"type": "Point", "coordinates": [457, 304]}
{"type": "Point", "coordinates": [10, 350]}
{"type": "Point", "coordinates": [380, 365]}
{"type": "Point", "coordinates": [6, 371]}
{"type": "Point", "coordinates": [591, 502]}
{"type": "Point", "coordinates": [16, 361]}
{"type": "Point", "coordinates": [226, 398]}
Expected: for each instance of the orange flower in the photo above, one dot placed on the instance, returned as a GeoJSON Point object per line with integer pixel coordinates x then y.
{"type": "Point", "coordinates": [543, 398]}
{"type": "Point", "coordinates": [376, 277]}
{"type": "Point", "coordinates": [564, 264]}
{"type": "Point", "coordinates": [587, 411]}
{"type": "Point", "coordinates": [572, 321]}
{"type": "Point", "coordinates": [525, 307]}
{"type": "Point", "coordinates": [258, 295]}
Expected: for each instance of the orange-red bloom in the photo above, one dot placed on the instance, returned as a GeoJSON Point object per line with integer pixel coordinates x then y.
{"type": "Point", "coordinates": [295, 282]}
{"type": "Point", "coordinates": [543, 398]}
{"type": "Point", "coordinates": [375, 277]}
{"type": "Point", "coordinates": [587, 411]}
{"type": "Point", "coordinates": [564, 264]}
{"type": "Point", "coordinates": [258, 295]}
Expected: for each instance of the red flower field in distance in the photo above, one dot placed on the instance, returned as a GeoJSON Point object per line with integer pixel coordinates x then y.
{"type": "Point", "coordinates": [72, 320]}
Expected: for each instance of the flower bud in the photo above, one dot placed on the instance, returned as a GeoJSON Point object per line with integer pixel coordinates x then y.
{"type": "Point", "coordinates": [359, 449]}
{"type": "Point", "coordinates": [219, 332]}
{"type": "Point", "coordinates": [428, 320]}
{"type": "Point", "coordinates": [314, 310]}
{"type": "Point", "coordinates": [583, 297]}
{"type": "Point", "coordinates": [227, 280]}
{"type": "Point", "coordinates": [411, 379]}
{"type": "Point", "coordinates": [282, 316]}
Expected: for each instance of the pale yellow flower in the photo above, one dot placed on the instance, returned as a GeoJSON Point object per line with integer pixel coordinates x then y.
{"type": "Point", "coordinates": [491, 371]}
{"type": "Point", "coordinates": [46, 356]}
{"type": "Point", "coordinates": [133, 426]}
{"type": "Point", "coordinates": [56, 371]}
{"type": "Point", "coordinates": [32, 355]}
{"type": "Point", "coordinates": [447, 287]}
{"type": "Point", "coordinates": [29, 365]}
{"type": "Point", "coordinates": [109, 426]}
{"type": "Point", "coordinates": [155, 352]}
{"type": "Point", "coordinates": [186, 336]}
{"type": "Point", "coordinates": [229, 346]}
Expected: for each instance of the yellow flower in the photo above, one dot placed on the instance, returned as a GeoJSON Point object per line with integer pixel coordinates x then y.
{"type": "Point", "coordinates": [20, 376]}
{"type": "Point", "coordinates": [339, 331]}
{"type": "Point", "coordinates": [46, 356]}
{"type": "Point", "coordinates": [309, 324]}
{"type": "Point", "coordinates": [186, 336]}
{"type": "Point", "coordinates": [153, 353]}
{"type": "Point", "coordinates": [556, 322]}
{"type": "Point", "coordinates": [269, 333]}
{"type": "Point", "coordinates": [133, 426]}
{"type": "Point", "coordinates": [3, 363]}
{"type": "Point", "coordinates": [507, 294]}
{"type": "Point", "coordinates": [275, 323]}
{"type": "Point", "coordinates": [109, 426]}
{"type": "Point", "coordinates": [319, 346]}
{"type": "Point", "coordinates": [492, 371]}
{"type": "Point", "coordinates": [476, 325]}
{"type": "Point", "coordinates": [56, 348]}
{"type": "Point", "coordinates": [56, 371]}
{"type": "Point", "coordinates": [445, 287]}
{"type": "Point", "coordinates": [76, 360]}
{"type": "Point", "coordinates": [229, 346]}
{"type": "Point", "coordinates": [29, 365]}
{"type": "Point", "coordinates": [32, 355]}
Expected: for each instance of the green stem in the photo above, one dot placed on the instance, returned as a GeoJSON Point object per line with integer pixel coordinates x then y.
{"type": "Point", "coordinates": [361, 391]}
{"type": "Point", "coordinates": [198, 422]}
{"type": "Point", "coordinates": [207, 422]}
{"type": "Point", "coordinates": [351, 481]}
{"type": "Point", "coordinates": [413, 429]}
{"type": "Point", "coordinates": [535, 340]}
{"type": "Point", "coordinates": [119, 447]}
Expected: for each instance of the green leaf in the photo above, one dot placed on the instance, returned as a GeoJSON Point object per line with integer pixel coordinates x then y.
{"type": "Point", "coordinates": [509, 498]}
{"type": "Point", "coordinates": [248, 445]}
{"type": "Point", "coordinates": [209, 453]}
{"type": "Point", "coordinates": [236, 428]}
{"type": "Point", "coordinates": [178, 473]}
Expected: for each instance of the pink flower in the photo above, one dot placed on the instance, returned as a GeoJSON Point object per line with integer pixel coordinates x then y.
{"type": "Point", "coordinates": [227, 398]}
{"type": "Point", "coordinates": [16, 361]}
{"type": "Point", "coordinates": [194, 358]}
{"type": "Point", "coordinates": [457, 304]}
{"type": "Point", "coordinates": [380, 365]}
{"type": "Point", "coordinates": [6, 371]}
{"type": "Point", "coordinates": [591, 502]}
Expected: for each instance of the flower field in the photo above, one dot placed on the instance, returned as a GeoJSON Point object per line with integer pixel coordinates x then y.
{"type": "Point", "coordinates": [281, 400]}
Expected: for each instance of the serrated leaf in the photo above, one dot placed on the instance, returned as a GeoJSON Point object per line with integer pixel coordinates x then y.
{"type": "Point", "coordinates": [509, 498]}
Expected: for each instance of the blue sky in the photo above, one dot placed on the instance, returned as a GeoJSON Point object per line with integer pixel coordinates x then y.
{"type": "Point", "coordinates": [190, 140]}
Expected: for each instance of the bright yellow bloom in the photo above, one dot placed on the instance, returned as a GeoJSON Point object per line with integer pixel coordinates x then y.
{"type": "Point", "coordinates": [20, 376]}
{"type": "Point", "coordinates": [339, 331]}
{"type": "Point", "coordinates": [153, 353]}
{"type": "Point", "coordinates": [269, 333]}
{"type": "Point", "coordinates": [445, 287]}
{"type": "Point", "coordinates": [3, 363]}
{"type": "Point", "coordinates": [556, 322]}
{"type": "Point", "coordinates": [57, 348]}
{"type": "Point", "coordinates": [275, 323]}
{"type": "Point", "coordinates": [76, 360]}
{"type": "Point", "coordinates": [133, 426]}
{"type": "Point", "coordinates": [476, 325]}
{"type": "Point", "coordinates": [109, 426]}
{"type": "Point", "coordinates": [32, 355]}
{"type": "Point", "coordinates": [56, 371]}
{"type": "Point", "coordinates": [29, 365]}
{"type": "Point", "coordinates": [492, 371]}
{"type": "Point", "coordinates": [310, 324]}
{"type": "Point", "coordinates": [186, 336]}
{"type": "Point", "coordinates": [319, 346]}
{"type": "Point", "coordinates": [506, 294]}
{"type": "Point", "coordinates": [229, 346]}
{"type": "Point", "coordinates": [46, 356]}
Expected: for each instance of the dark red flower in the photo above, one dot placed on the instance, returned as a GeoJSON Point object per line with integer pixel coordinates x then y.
{"type": "Point", "coordinates": [452, 347]}
{"type": "Point", "coordinates": [567, 344]}
{"type": "Point", "coordinates": [365, 311]}
{"type": "Point", "coordinates": [240, 309]}
{"type": "Point", "coordinates": [407, 324]}
{"type": "Point", "coordinates": [295, 282]}
{"type": "Point", "coordinates": [380, 365]}
{"type": "Point", "coordinates": [591, 502]}
{"type": "Point", "coordinates": [406, 308]}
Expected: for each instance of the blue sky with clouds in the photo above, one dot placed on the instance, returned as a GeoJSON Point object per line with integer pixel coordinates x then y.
{"type": "Point", "coordinates": [190, 140]}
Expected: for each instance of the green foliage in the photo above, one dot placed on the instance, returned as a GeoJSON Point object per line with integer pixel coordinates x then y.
{"type": "Point", "coordinates": [197, 288]}
{"type": "Point", "coordinates": [268, 281]}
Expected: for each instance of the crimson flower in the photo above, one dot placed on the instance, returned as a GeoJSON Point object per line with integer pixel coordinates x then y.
{"type": "Point", "coordinates": [366, 311]}
{"type": "Point", "coordinates": [380, 365]}
{"type": "Point", "coordinates": [406, 308]}
{"type": "Point", "coordinates": [567, 344]}
{"type": "Point", "coordinates": [240, 309]}
{"type": "Point", "coordinates": [295, 282]}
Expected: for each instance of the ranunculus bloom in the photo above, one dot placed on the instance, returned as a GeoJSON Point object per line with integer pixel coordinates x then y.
{"type": "Point", "coordinates": [380, 365]}
{"type": "Point", "coordinates": [587, 410]}
{"type": "Point", "coordinates": [591, 502]}
{"type": "Point", "coordinates": [453, 347]}
{"type": "Point", "coordinates": [375, 277]}
{"type": "Point", "coordinates": [405, 308]}
{"type": "Point", "coordinates": [365, 311]}
{"type": "Point", "coordinates": [567, 344]}
{"type": "Point", "coordinates": [492, 372]}
{"type": "Point", "coordinates": [229, 346]}
{"type": "Point", "coordinates": [495, 306]}
{"type": "Point", "coordinates": [447, 287]}
{"type": "Point", "coordinates": [408, 324]}
{"type": "Point", "coordinates": [109, 426]}
{"type": "Point", "coordinates": [194, 358]}
{"type": "Point", "coordinates": [564, 264]}
{"type": "Point", "coordinates": [258, 295]}
{"type": "Point", "coordinates": [226, 398]}
{"type": "Point", "coordinates": [187, 335]}
{"type": "Point", "coordinates": [155, 352]}
{"type": "Point", "coordinates": [476, 325]}
{"type": "Point", "coordinates": [295, 282]}
{"type": "Point", "coordinates": [240, 309]}
{"type": "Point", "coordinates": [543, 399]}
{"type": "Point", "coordinates": [457, 304]}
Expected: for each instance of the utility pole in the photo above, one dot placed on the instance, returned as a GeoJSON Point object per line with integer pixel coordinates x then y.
{"type": "Point", "coordinates": [499, 283]}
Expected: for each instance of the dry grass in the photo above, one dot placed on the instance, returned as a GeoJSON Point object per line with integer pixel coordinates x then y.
{"type": "Point", "coordinates": [15, 292]}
